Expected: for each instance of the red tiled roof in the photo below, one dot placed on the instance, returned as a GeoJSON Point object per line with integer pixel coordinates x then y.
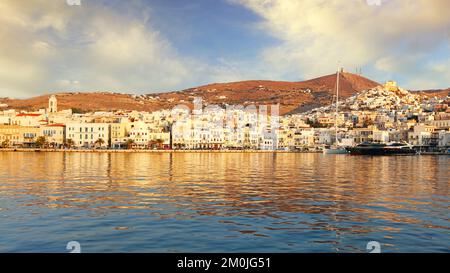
{"type": "Point", "coordinates": [57, 125]}
{"type": "Point", "coordinates": [29, 115]}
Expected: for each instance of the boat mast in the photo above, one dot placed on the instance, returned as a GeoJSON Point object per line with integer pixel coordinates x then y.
{"type": "Point", "coordinates": [337, 106]}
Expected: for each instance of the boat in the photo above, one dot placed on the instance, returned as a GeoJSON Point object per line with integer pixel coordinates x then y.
{"type": "Point", "coordinates": [337, 148]}
{"type": "Point", "coordinates": [392, 148]}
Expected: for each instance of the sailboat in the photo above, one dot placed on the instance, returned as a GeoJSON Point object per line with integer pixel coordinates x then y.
{"type": "Point", "coordinates": [337, 148]}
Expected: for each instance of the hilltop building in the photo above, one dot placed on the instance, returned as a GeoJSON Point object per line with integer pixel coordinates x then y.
{"type": "Point", "coordinates": [391, 86]}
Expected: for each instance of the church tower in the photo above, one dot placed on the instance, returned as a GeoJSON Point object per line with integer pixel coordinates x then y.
{"type": "Point", "coordinates": [52, 104]}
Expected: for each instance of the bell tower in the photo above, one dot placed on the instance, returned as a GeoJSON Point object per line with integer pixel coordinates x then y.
{"type": "Point", "coordinates": [52, 104]}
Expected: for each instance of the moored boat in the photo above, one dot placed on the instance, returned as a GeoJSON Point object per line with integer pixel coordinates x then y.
{"type": "Point", "coordinates": [368, 148]}
{"type": "Point", "coordinates": [335, 150]}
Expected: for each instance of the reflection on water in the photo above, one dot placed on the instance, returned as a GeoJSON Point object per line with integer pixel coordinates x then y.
{"type": "Point", "coordinates": [209, 202]}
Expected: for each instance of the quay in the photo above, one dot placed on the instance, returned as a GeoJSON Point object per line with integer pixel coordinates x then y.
{"type": "Point", "coordinates": [146, 151]}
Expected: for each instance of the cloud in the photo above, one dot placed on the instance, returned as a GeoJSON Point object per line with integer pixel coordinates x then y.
{"type": "Point", "coordinates": [315, 35]}
{"type": "Point", "coordinates": [48, 46]}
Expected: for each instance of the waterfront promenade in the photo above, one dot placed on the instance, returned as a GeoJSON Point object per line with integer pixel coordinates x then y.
{"type": "Point", "coordinates": [146, 151]}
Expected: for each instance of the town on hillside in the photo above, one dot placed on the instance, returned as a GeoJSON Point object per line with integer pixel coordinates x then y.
{"type": "Point", "coordinates": [386, 113]}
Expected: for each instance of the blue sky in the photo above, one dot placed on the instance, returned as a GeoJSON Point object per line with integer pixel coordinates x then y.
{"type": "Point", "coordinates": [145, 46]}
{"type": "Point", "coordinates": [209, 29]}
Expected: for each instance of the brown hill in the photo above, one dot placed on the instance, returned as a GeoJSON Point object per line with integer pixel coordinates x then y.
{"type": "Point", "coordinates": [82, 102]}
{"type": "Point", "coordinates": [292, 96]}
{"type": "Point", "coordinates": [442, 93]}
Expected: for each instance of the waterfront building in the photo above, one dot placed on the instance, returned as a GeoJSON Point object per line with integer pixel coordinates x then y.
{"type": "Point", "coordinates": [268, 141]}
{"type": "Point", "coordinates": [284, 139]}
{"type": "Point", "coordinates": [87, 135]}
{"type": "Point", "coordinates": [421, 135]}
{"type": "Point", "coordinates": [381, 136]}
{"type": "Point", "coordinates": [159, 139]}
{"type": "Point", "coordinates": [304, 138]}
{"type": "Point", "coordinates": [28, 136]}
{"type": "Point", "coordinates": [140, 134]}
{"type": "Point", "coordinates": [54, 134]}
{"type": "Point", "coordinates": [119, 134]}
{"type": "Point", "coordinates": [325, 136]}
{"type": "Point", "coordinates": [9, 135]}
{"type": "Point", "coordinates": [444, 139]}
{"type": "Point", "coordinates": [181, 134]}
{"type": "Point", "coordinates": [362, 134]}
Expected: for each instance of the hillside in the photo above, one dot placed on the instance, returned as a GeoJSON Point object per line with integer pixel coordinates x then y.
{"type": "Point", "coordinates": [436, 93]}
{"type": "Point", "coordinates": [292, 96]}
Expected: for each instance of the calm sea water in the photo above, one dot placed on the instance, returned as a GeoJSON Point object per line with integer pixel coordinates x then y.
{"type": "Point", "coordinates": [200, 202]}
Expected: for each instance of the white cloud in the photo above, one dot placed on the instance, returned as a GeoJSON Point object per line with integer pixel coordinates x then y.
{"type": "Point", "coordinates": [317, 34]}
{"type": "Point", "coordinates": [48, 46]}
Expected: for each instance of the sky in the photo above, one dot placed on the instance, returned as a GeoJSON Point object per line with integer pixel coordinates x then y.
{"type": "Point", "coordinates": [146, 46]}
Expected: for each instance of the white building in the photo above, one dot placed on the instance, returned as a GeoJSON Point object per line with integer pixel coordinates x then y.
{"type": "Point", "coordinates": [140, 134]}
{"type": "Point", "coordinates": [86, 134]}
{"type": "Point", "coordinates": [381, 136]}
{"type": "Point", "coordinates": [444, 139]}
{"type": "Point", "coordinates": [54, 134]}
{"type": "Point", "coordinates": [420, 135]}
{"type": "Point", "coordinates": [268, 141]}
{"type": "Point", "coordinates": [28, 119]}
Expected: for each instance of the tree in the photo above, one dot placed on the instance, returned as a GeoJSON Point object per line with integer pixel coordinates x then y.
{"type": "Point", "coordinates": [151, 144]}
{"type": "Point", "coordinates": [367, 122]}
{"type": "Point", "coordinates": [160, 143]}
{"type": "Point", "coordinates": [69, 143]}
{"type": "Point", "coordinates": [41, 142]}
{"type": "Point", "coordinates": [78, 111]}
{"type": "Point", "coordinates": [5, 143]}
{"type": "Point", "coordinates": [129, 143]}
{"type": "Point", "coordinates": [99, 142]}
{"type": "Point", "coordinates": [314, 123]}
